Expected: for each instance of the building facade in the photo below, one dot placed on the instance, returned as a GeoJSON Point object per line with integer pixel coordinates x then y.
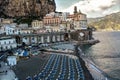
{"type": "Point", "coordinates": [10, 29]}
{"type": "Point", "coordinates": [42, 38]}
{"type": "Point", "coordinates": [23, 25]}
{"type": "Point", "coordinates": [1, 31]}
{"type": "Point", "coordinates": [27, 31]}
{"type": "Point", "coordinates": [7, 43]}
{"type": "Point", "coordinates": [37, 24]}
{"type": "Point", "coordinates": [64, 16]}
{"type": "Point", "coordinates": [48, 20]}
{"type": "Point", "coordinates": [78, 19]}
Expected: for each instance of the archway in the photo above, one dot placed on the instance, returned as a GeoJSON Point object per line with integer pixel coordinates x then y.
{"type": "Point", "coordinates": [18, 39]}
{"type": "Point", "coordinates": [66, 37]}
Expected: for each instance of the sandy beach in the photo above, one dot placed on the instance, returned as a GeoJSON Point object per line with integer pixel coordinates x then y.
{"type": "Point", "coordinates": [31, 66]}
{"type": "Point", "coordinates": [35, 64]}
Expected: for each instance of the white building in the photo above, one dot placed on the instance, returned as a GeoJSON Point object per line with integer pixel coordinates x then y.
{"type": "Point", "coordinates": [27, 30]}
{"type": "Point", "coordinates": [80, 21]}
{"type": "Point", "coordinates": [53, 14]}
{"type": "Point", "coordinates": [64, 16]}
{"type": "Point", "coordinates": [12, 60]}
{"type": "Point", "coordinates": [11, 29]}
{"type": "Point", "coordinates": [48, 28]}
{"type": "Point", "coordinates": [83, 21]}
{"type": "Point", "coordinates": [1, 30]}
{"type": "Point", "coordinates": [23, 25]}
{"type": "Point", "coordinates": [7, 43]}
{"type": "Point", "coordinates": [62, 27]}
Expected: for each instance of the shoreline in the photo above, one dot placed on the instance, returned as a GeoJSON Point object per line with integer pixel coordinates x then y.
{"type": "Point", "coordinates": [88, 75]}
{"type": "Point", "coordinates": [27, 65]}
{"type": "Point", "coordinates": [96, 72]}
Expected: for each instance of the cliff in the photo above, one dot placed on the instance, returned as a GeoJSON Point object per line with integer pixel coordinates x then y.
{"type": "Point", "coordinates": [26, 8]}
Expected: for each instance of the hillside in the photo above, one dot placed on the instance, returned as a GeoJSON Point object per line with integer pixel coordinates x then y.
{"type": "Point", "coordinates": [109, 22]}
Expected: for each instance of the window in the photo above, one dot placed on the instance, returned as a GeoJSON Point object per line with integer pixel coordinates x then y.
{"type": "Point", "coordinates": [10, 47]}
{"type": "Point", "coordinates": [6, 47]}
{"type": "Point", "coordinates": [1, 48]}
{"type": "Point", "coordinates": [18, 32]}
{"type": "Point", "coordinates": [39, 38]}
{"type": "Point", "coordinates": [32, 38]}
{"type": "Point", "coordinates": [4, 42]}
{"type": "Point", "coordinates": [26, 38]}
{"type": "Point", "coordinates": [14, 41]}
{"type": "Point", "coordinates": [13, 31]}
{"type": "Point", "coordinates": [9, 42]}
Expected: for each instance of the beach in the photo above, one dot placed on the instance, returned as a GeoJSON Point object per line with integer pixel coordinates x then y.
{"type": "Point", "coordinates": [31, 66]}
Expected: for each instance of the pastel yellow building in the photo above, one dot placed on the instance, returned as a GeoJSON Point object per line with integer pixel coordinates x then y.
{"type": "Point", "coordinates": [37, 24]}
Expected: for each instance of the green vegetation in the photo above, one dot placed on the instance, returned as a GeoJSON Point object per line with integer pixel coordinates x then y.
{"type": "Point", "coordinates": [27, 20]}
{"type": "Point", "coordinates": [109, 22]}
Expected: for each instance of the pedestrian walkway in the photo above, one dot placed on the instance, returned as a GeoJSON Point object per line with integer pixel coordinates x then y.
{"type": "Point", "coordinates": [6, 73]}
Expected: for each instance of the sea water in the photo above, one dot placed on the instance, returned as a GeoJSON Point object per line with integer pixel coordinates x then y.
{"type": "Point", "coordinates": [106, 54]}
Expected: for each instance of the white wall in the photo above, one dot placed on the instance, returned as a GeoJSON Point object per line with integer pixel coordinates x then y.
{"type": "Point", "coordinates": [26, 40]}
{"type": "Point", "coordinates": [62, 37]}
{"type": "Point", "coordinates": [83, 24]}
{"type": "Point", "coordinates": [11, 29]}
{"type": "Point", "coordinates": [33, 39]}
{"type": "Point", "coordinates": [42, 39]}
{"type": "Point", "coordinates": [12, 60]}
{"type": "Point", "coordinates": [58, 38]}
{"type": "Point", "coordinates": [48, 38]}
{"type": "Point", "coordinates": [6, 44]}
{"type": "Point", "coordinates": [53, 39]}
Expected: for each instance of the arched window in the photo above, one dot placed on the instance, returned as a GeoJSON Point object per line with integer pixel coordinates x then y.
{"type": "Point", "coordinates": [10, 47]}
{"type": "Point", "coordinates": [5, 42]}
{"type": "Point", "coordinates": [13, 31]}
{"type": "Point", "coordinates": [1, 48]}
{"type": "Point", "coordinates": [6, 47]}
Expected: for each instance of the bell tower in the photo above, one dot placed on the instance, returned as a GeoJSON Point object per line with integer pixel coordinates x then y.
{"type": "Point", "coordinates": [75, 10]}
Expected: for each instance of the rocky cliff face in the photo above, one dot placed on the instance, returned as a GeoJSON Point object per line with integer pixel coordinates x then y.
{"type": "Point", "coordinates": [18, 8]}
